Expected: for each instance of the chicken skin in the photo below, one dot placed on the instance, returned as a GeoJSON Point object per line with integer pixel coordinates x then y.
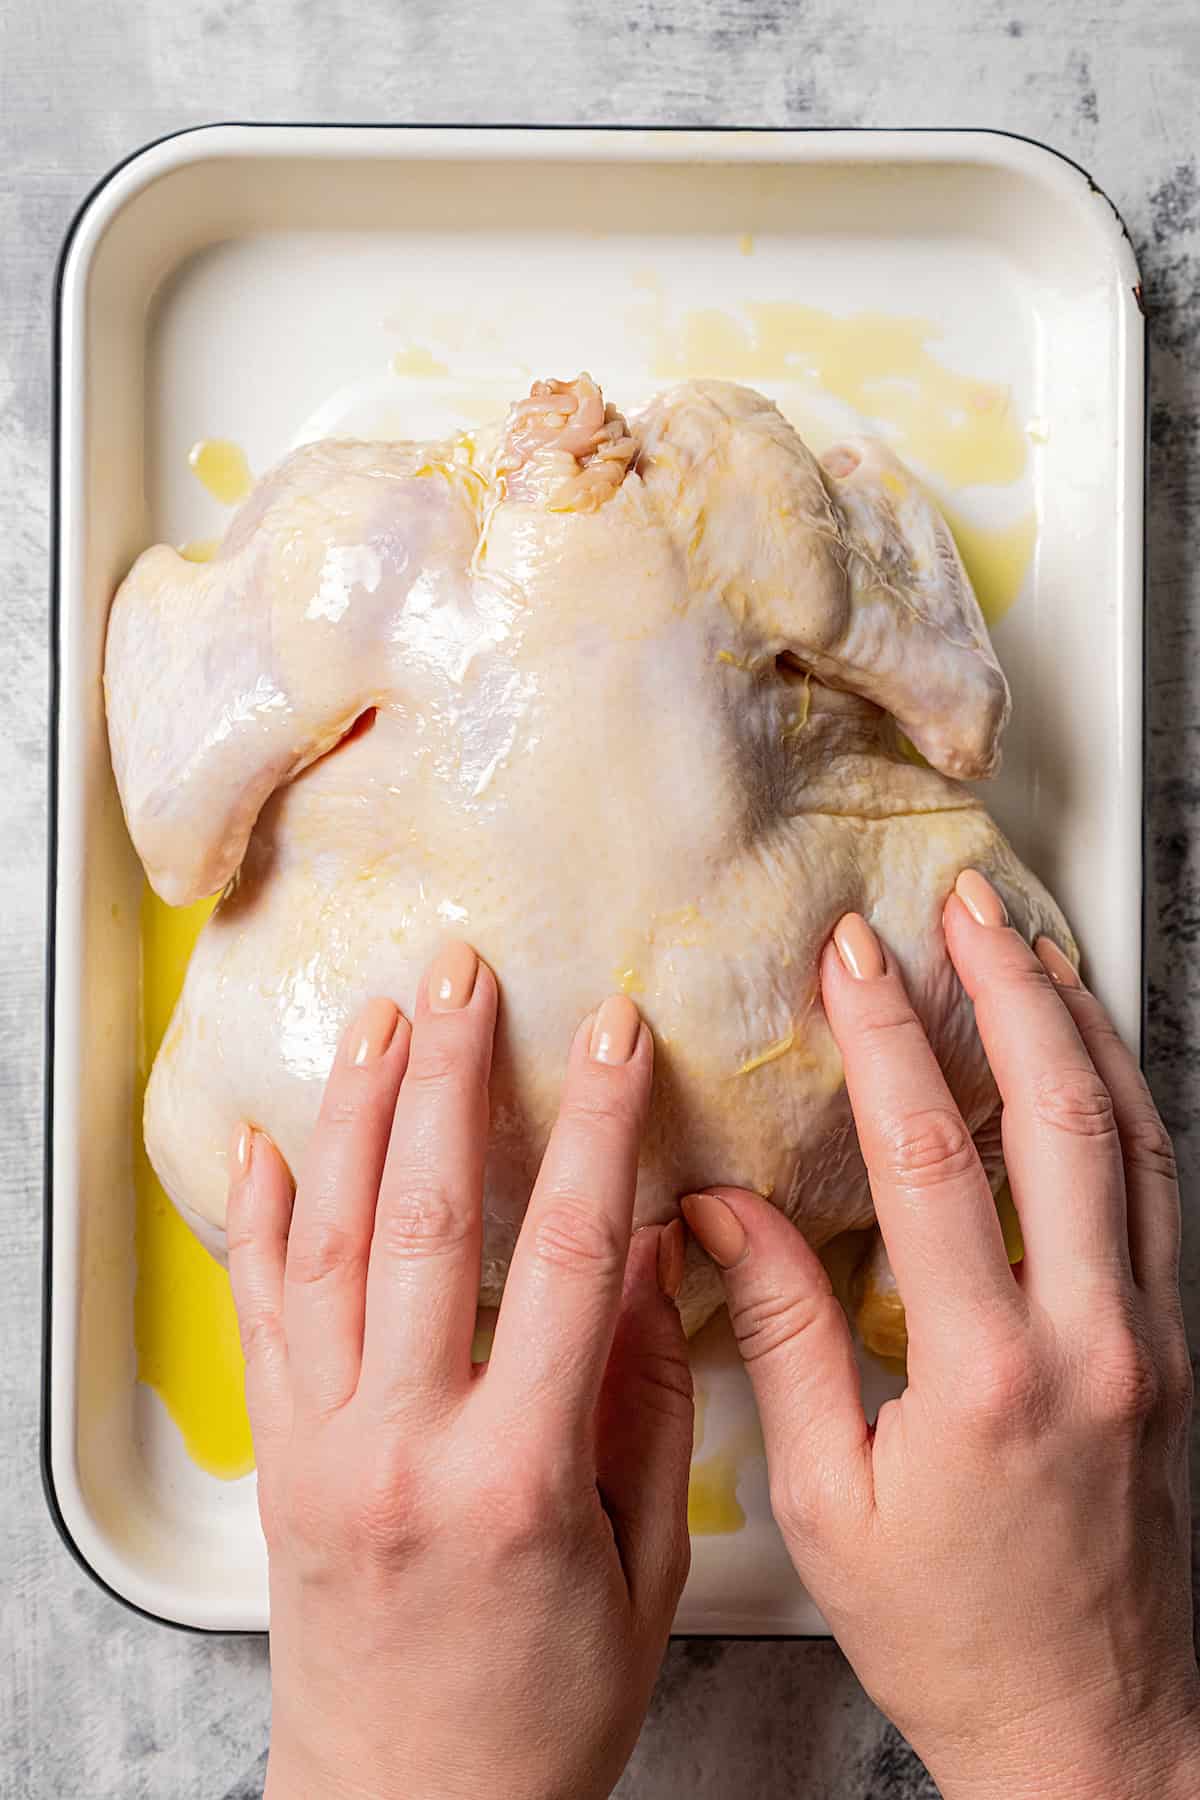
{"type": "Point", "coordinates": [628, 705]}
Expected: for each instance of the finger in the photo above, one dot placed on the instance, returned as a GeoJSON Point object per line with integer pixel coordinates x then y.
{"type": "Point", "coordinates": [423, 1281]}
{"type": "Point", "coordinates": [1061, 1146]}
{"type": "Point", "coordinates": [325, 1295]}
{"type": "Point", "coordinates": [1151, 1182]}
{"type": "Point", "coordinates": [644, 1426]}
{"type": "Point", "coordinates": [560, 1303]}
{"type": "Point", "coordinates": [260, 1210]}
{"type": "Point", "coordinates": [932, 1197]}
{"type": "Point", "coordinates": [795, 1343]}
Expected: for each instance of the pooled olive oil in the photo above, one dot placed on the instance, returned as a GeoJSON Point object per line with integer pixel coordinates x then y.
{"type": "Point", "coordinates": [185, 1327]}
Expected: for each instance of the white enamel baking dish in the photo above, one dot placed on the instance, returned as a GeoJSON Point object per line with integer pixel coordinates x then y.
{"type": "Point", "coordinates": [237, 281]}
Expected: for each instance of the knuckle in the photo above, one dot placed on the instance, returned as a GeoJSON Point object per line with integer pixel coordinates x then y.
{"type": "Point", "coordinates": [522, 1521]}
{"type": "Point", "coordinates": [439, 1061]}
{"type": "Point", "coordinates": [241, 1236]}
{"type": "Point", "coordinates": [928, 1148]}
{"type": "Point", "coordinates": [664, 1382]}
{"type": "Point", "coordinates": [888, 1012]}
{"type": "Point", "coordinates": [419, 1217]}
{"type": "Point", "coordinates": [327, 1248]}
{"type": "Point", "coordinates": [766, 1322]}
{"type": "Point", "coordinates": [261, 1334]}
{"type": "Point", "coordinates": [343, 1108]}
{"type": "Point", "coordinates": [1124, 1380]}
{"type": "Point", "coordinates": [1014, 966]}
{"type": "Point", "coordinates": [598, 1106]}
{"type": "Point", "coordinates": [1148, 1147]}
{"type": "Point", "coordinates": [304, 1513]}
{"type": "Point", "coordinates": [1015, 980]}
{"type": "Point", "coordinates": [1076, 1102]}
{"type": "Point", "coordinates": [794, 1505]}
{"type": "Point", "coordinates": [387, 1518]}
{"type": "Point", "coordinates": [1094, 1023]}
{"type": "Point", "coordinates": [572, 1234]}
{"type": "Point", "coordinates": [518, 1516]}
{"type": "Point", "coordinates": [1009, 1392]}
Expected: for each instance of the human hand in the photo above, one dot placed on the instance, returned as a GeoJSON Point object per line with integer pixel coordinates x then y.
{"type": "Point", "coordinates": [1004, 1558]}
{"type": "Point", "coordinates": [473, 1569]}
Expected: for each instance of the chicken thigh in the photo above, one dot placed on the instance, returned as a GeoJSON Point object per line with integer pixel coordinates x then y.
{"type": "Point", "coordinates": [629, 705]}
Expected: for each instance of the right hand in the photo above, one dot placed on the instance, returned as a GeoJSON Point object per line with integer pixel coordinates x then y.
{"type": "Point", "coordinates": [1005, 1557]}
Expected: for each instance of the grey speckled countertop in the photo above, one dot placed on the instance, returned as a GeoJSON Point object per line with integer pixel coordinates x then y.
{"type": "Point", "coordinates": [95, 1702]}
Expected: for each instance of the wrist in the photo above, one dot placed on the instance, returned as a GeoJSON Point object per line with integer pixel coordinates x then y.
{"type": "Point", "coordinates": [1153, 1756]}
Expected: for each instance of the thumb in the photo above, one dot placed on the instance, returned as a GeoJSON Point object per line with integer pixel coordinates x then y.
{"type": "Point", "coordinates": [644, 1425]}
{"type": "Point", "coordinates": [795, 1343]}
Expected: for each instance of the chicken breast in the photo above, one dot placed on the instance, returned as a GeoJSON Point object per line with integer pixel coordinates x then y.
{"type": "Point", "coordinates": [627, 705]}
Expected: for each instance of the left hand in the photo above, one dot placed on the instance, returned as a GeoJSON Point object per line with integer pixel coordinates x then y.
{"type": "Point", "coordinates": [473, 1569]}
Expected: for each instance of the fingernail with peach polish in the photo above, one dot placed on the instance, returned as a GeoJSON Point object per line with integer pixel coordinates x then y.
{"type": "Point", "coordinates": [716, 1227]}
{"type": "Point", "coordinates": [372, 1031]}
{"type": "Point", "coordinates": [981, 899]}
{"type": "Point", "coordinates": [243, 1149]}
{"type": "Point", "coordinates": [670, 1258]}
{"type": "Point", "coordinates": [451, 980]}
{"type": "Point", "coordinates": [615, 1032]}
{"type": "Point", "coordinates": [1058, 967]}
{"type": "Point", "coordinates": [858, 947]}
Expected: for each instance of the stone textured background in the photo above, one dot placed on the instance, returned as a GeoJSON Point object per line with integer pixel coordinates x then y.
{"type": "Point", "coordinates": [95, 1702]}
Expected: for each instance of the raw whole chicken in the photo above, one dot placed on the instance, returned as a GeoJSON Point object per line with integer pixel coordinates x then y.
{"type": "Point", "coordinates": [628, 705]}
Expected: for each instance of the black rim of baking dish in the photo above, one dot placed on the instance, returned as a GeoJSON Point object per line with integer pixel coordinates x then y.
{"type": "Point", "coordinates": [665, 131]}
